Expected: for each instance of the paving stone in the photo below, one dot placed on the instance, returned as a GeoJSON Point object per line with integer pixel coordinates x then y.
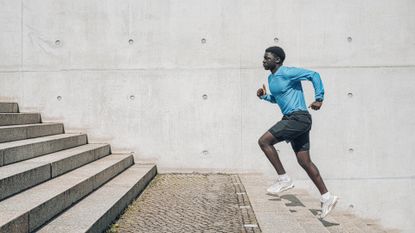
{"type": "Point", "coordinates": [190, 203]}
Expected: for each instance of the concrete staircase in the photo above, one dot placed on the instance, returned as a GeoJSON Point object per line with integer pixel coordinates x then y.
{"type": "Point", "coordinates": [295, 211]}
{"type": "Point", "coordinates": [51, 181]}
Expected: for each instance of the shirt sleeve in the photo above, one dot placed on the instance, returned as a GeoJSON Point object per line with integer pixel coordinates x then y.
{"type": "Point", "coordinates": [269, 98]}
{"type": "Point", "coordinates": [299, 74]}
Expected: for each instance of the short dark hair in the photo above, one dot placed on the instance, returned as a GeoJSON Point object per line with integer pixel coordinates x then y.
{"type": "Point", "coordinates": [277, 51]}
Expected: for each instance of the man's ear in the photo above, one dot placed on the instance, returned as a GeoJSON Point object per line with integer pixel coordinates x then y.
{"type": "Point", "coordinates": [278, 60]}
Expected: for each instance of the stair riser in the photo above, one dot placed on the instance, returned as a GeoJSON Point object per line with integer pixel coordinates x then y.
{"type": "Point", "coordinates": [46, 211]}
{"type": "Point", "coordinates": [103, 177]}
{"type": "Point", "coordinates": [21, 133]}
{"type": "Point", "coordinates": [346, 224]}
{"type": "Point", "coordinates": [19, 119]}
{"type": "Point", "coordinates": [30, 178]}
{"type": "Point", "coordinates": [20, 153]}
{"type": "Point", "coordinates": [68, 164]}
{"type": "Point", "coordinates": [118, 207]}
{"type": "Point", "coordinates": [36, 217]}
{"type": "Point", "coordinates": [18, 225]}
{"type": "Point", "coordinates": [9, 108]}
{"type": "Point", "coordinates": [20, 182]}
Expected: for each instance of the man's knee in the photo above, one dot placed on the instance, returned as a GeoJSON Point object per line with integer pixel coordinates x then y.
{"type": "Point", "coordinates": [263, 142]}
{"type": "Point", "coordinates": [267, 140]}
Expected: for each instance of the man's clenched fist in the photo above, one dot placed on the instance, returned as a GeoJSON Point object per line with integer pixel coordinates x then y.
{"type": "Point", "coordinates": [261, 91]}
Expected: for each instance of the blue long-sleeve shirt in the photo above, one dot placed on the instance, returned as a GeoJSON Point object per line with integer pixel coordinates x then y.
{"type": "Point", "coordinates": [286, 90]}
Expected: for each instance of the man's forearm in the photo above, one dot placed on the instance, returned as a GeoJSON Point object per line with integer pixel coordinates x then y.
{"type": "Point", "coordinates": [269, 98]}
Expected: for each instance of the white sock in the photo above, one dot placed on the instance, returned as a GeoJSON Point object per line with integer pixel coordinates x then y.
{"type": "Point", "coordinates": [325, 197]}
{"type": "Point", "coordinates": [284, 177]}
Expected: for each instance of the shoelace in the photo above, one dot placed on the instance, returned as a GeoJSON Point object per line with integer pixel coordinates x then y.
{"type": "Point", "coordinates": [277, 182]}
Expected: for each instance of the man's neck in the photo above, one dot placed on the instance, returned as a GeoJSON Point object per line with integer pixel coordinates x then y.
{"type": "Point", "coordinates": [273, 71]}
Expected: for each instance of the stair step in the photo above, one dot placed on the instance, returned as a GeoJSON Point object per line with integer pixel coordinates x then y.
{"type": "Point", "coordinates": [11, 152]}
{"type": "Point", "coordinates": [270, 211]}
{"type": "Point", "coordinates": [347, 222]}
{"type": "Point", "coordinates": [27, 211]}
{"type": "Point", "coordinates": [356, 221]}
{"type": "Point", "coordinates": [98, 210]}
{"type": "Point", "coordinates": [9, 107]}
{"type": "Point", "coordinates": [21, 132]}
{"type": "Point", "coordinates": [17, 177]}
{"type": "Point", "coordinates": [375, 225]}
{"type": "Point", "coordinates": [19, 118]}
{"type": "Point", "coordinates": [299, 210]}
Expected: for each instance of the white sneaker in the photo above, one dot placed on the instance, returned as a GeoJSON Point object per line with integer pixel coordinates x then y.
{"type": "Point", "coordinates": [280, 186]}
{"type": "Point", "coordinates": [328, 206]}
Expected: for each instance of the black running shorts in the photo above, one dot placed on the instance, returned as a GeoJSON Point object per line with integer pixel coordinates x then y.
{"type": "Point", "coordinates": [294, 128]}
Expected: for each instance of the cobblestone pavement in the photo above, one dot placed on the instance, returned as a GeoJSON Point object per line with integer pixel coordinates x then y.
{"type": "Point", "coordinates": [190, 203]}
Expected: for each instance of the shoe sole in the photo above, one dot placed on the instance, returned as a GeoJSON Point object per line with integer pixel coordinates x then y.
{"type": "Point", "coordinates": [331, 207]}
{"type": "Point", "coordinates": [282, 190]}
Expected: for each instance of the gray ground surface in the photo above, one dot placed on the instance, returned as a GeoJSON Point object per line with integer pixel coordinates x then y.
{"type": "Point", "coordinates": [190, 203]}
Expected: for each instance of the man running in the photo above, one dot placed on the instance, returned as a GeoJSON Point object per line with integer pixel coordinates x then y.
{"type": "Point", "coordinates": [286, 91]}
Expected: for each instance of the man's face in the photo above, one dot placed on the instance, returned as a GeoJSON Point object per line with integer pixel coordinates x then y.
{"type": "Point", "coordinates": [270, 61]}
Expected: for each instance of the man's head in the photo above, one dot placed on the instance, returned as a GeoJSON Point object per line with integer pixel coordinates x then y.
{"type": "Point", "coordinates": [273, 56]}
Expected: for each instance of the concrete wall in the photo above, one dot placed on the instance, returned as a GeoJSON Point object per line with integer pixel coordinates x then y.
{"type": "Point", "coordinates": [134, 73]}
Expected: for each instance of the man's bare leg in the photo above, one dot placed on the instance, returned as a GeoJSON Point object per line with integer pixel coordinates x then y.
{"type": "Point", "coordinates": [267, 142]}
{"type": "Point", "coordinates": [328, 201]}
{"type": "Point", "coordinates": [284, 182]}
{"type": "Point", "coordinates": [303, 158]}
